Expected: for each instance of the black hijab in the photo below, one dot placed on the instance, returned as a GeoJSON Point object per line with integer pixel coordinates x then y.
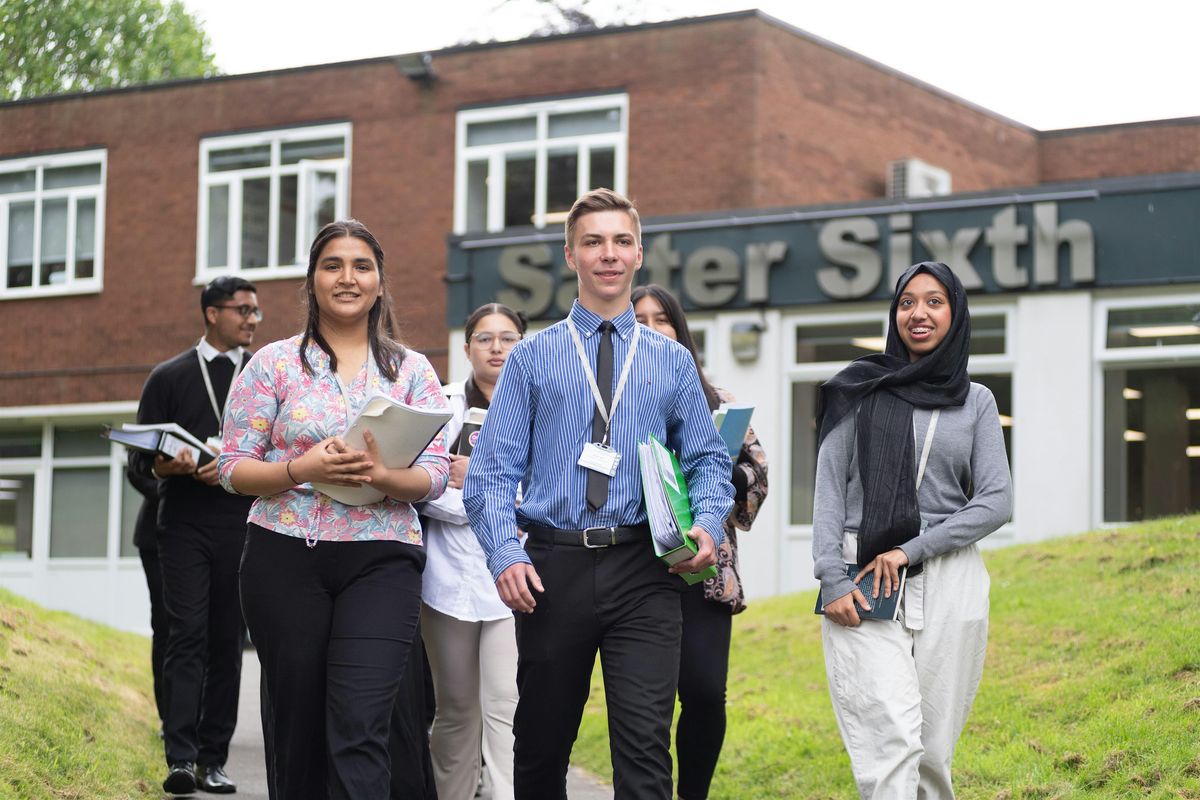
{"type": "Point", "coordinates": [883, 388]}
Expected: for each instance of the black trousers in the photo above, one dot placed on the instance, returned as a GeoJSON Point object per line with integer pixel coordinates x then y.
{"type": "Point", "coordinates": [703, 672]}
{"type": "Point", "coordinates": [159, 625]}
{"type": "Point", "coordinates": [333, 626]}
{"type": "Point", "coordinates": [622, 602]}
{"type": "Point", "coordinates": [203, 661]}
{"type": "Point", "coordinates": [408, 739]}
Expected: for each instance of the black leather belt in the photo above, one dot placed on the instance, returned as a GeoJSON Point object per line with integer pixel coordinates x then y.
{"type": "Point", "coordinates": [591, 537]}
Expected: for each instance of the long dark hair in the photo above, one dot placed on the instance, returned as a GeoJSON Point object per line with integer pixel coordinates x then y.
{"type": "Point", "coordinates": [678, 321]}
{"type": "Point", "coordinates": [381, 325]}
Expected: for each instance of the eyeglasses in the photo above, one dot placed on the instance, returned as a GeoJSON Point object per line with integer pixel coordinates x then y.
{"type": "Point", "coordinates": [484, 340]}
{"type": "Point", "coordinates": [246, 311]}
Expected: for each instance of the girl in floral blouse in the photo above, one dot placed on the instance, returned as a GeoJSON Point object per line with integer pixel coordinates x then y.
{"type": "Point", "coordinates": [707, 607]}
{"type": "Point", "coordinates": [331, 593]}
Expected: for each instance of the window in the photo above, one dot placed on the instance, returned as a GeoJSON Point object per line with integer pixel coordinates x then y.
{"type": "Point", "coordinates": [51, 224]}
{"type": "Point", "coordinates": [823, 345]}
{"type": "Point", "coordinates": [264, 196]}
{"type": "Point", "coordinates": [525, 164]}
{"type": "Point", "coordinates": [1149, 352]}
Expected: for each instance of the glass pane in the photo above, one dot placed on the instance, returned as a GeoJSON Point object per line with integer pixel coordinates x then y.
{"type": "Point", "coordinates": [700, 338]}
{"type": "Point", "coordinates": [78, 441]}
{"type": "Point", "coordinates": [131, 503]}
{"type": "Point", "coordinates": [218, 226]}
{"type": "Point", "coordinates": [287, 218]}
{"type": "Point", "coordinates": [562, 180]}
{"type": "Point", "coordinates": [16, 516]}
{"type": "Point", "coordinates": [804, 451]}
{"type": "Point", "coordinates": [85, 238]}
{"type": "Point", "coordinates": [79, 513]}
{"type": "Point", "coordinates": [838, 342]}
{"type": "Point", "coordinates": [606, 120]}
{"type": "Point", "coordinates": [604, 168]}
{"type": "Point", "coordinates": [256, 222]}
{"type": "Point", "coordinates": [987, 334]}
{"type": "Point", "coordinates": [323, 200]}
{"type": "Point", "coordinates": [54, 242]}
{"type": "Point", "coordinates": [477, 195]}
{"type": "Point", "coordinates": [20, 441]}
{"type": "Point", "coordinates": [1151, 443]}
{"type": "Point", "coordinates": [1154, 327]}
{"type": "Point", "coordinates": [17, 181]}
{"type": "Point", "coordinates": [79, 175]}
{"type": "Point", "coordinates": [317, 149]}
{"type": "Point", "coordinates": [501, 131]}
{"type": "Point", "coordinates": [20, 244]}
{"type": "Point", "coordinates": [519, 177]}
{"type": "Point", "coordinates": [258, 155]}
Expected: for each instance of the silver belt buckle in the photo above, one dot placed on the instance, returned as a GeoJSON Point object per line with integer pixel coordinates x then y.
{"type": "Point", "coordinates": [612, 535]}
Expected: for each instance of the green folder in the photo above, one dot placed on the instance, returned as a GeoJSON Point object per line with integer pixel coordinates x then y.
{"type": "Point", "coordinates": [668, 507]}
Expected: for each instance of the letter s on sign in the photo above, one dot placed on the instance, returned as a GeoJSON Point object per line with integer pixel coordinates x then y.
{"type": "Point", "coordinates": [859, 267]}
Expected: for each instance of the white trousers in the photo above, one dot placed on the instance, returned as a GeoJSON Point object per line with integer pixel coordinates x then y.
{"type": "Point", "coordinates": [474, 668]}
{"type": "Point", "coordinates": [902, 690]}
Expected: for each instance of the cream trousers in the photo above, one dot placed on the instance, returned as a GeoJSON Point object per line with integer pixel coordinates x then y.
{"type": "Point", "coordinates": [474, 668]}
{"type": "Point", "coordinates": [902, 690]}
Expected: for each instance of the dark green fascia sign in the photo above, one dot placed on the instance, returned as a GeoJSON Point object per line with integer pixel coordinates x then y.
{"type": "Point", "coordinates": [1122, 232]}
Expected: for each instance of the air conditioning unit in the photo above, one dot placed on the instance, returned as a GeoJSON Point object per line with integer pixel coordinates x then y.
{"type": "Point", "coordinates": [912, 177]}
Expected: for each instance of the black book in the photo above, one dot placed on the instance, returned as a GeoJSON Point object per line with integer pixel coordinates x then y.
{"type": "Point", "coordinates": [472, 422]}
{"type": "Point", "coordinates": [885, 608]}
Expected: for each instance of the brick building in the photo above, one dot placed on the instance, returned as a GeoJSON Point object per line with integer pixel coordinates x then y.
{"type": "Point", "coordinates": [735, 131]}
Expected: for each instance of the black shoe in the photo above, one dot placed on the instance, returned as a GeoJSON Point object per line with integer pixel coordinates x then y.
{"type": "Point", "coordinates": [213, 779]}
{"type": "Point", "coordinates": [181, 779]}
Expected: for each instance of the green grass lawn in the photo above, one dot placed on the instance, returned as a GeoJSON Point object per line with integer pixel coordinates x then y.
{"type": "Point", "coordinates": [1091, 688]}
{"type": "Point", "coordinates": [77, 718]}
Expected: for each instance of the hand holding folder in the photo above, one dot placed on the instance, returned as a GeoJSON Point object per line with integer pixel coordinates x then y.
{"type": "Point", "coordinates": [668, 508]}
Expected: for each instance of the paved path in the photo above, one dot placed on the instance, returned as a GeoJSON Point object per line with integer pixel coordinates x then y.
{"type": "Point", "coordinates": [246, 765]}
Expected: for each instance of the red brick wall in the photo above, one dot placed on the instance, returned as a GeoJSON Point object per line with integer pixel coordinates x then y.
{"type": "Point", "coordinates": [1116, 150]}
{"type": "Point", "coordinates": [829, 123]}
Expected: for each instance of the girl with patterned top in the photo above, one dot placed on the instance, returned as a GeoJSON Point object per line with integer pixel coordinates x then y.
{"type": "Point", "coordinates": [331, 592]}
{"type": "Point", "coordinates": [707, 607]}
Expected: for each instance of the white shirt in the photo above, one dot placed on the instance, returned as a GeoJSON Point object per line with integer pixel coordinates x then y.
{"type": "Point", "coordinates": [208, 352]}
{"type": "Point", "coordinates": [456, 580]}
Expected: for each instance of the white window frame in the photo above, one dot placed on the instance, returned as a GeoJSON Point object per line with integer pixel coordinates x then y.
{"type": "Point", "coordinates": [495, 154]}
{"type": "Point", "coordinates": [793, 372]}
{"type": "Point", "coordinates": [39, 195]}
{"type": "Point", "coordinates": [234, 179]}
{"type": "Point", "coordinates": [1132, 357]}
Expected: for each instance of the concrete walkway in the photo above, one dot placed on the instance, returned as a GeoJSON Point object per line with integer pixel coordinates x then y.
{"type": "Point", "coordinates": [247, 765]}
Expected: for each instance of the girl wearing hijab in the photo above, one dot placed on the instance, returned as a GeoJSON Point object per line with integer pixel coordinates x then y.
{"type": "Point", "coordinates": [911, 471]}
{"type": "Point", "coordinates": [708, 607]}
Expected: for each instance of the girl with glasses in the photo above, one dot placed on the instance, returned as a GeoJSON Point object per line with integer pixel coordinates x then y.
{"type": "Point", "coordinates": [469, 633]}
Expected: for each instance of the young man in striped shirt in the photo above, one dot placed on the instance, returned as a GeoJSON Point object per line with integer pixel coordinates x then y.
{"type": "Point", "coordinates": [571, 406]}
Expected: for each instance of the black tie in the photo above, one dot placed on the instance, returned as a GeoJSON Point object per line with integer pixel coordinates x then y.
{"type": "Point", "coordinates": [220, 371]}
{"type": "Point", "coordinates": [597, 482]}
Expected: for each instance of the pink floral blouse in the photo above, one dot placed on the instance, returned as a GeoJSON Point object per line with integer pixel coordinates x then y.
{"type": "Point", "coordinates": [277, 412]}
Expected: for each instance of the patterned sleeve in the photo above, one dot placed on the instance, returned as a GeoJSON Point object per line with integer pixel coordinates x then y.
{"type": "Point", "coordinates": [425, 391]}
{"type": "Point", "coordinates": [750, 476]}
{"type": "Point", "coordinates": [249, 418]}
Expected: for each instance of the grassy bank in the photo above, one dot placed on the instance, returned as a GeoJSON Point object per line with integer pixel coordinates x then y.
{"type": "Point", "coordinates": [1091, 689]}
{"type": "Point", "coordinates": [77, 718]}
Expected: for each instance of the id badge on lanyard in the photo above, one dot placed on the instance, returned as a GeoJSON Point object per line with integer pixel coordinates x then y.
{"type": "Point", "coordinates": [600, 456]}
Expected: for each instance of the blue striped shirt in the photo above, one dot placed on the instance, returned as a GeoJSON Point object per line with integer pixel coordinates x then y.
{"type": "Point", "coordinates": [541, 417]}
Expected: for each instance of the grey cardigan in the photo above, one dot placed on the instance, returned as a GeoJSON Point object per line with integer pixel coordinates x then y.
{"type": "Point", "coordinates": [965, 495]}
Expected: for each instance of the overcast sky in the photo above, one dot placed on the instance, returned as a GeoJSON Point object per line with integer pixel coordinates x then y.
{"type": "Point", "coordinates": [1046, 63]}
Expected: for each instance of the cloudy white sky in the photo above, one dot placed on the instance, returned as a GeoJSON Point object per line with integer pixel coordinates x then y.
{"type": "Point", "coordinates": [1046, 63]}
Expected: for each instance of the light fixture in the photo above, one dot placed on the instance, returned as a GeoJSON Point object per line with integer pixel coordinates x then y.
{"type": "Point", "coordinates": [873, 343]}
{"type": "Point", "coordinates": [1005, 421]}
{"type": "Point", "coordinates": [417, 67]}
{"type": "Point", "coordinates": [744, 340]}
{"type": "Point", "coordinates": [1160, 331]}
{"type": "Point", "coordinates": [1131, 394]}
{"type": "Point", "coordinates": [1193, 414]}
{"type": "Point", "coordinates": [1193, 451]}
{"type": "Point", "coordinates": [1135, 436]}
